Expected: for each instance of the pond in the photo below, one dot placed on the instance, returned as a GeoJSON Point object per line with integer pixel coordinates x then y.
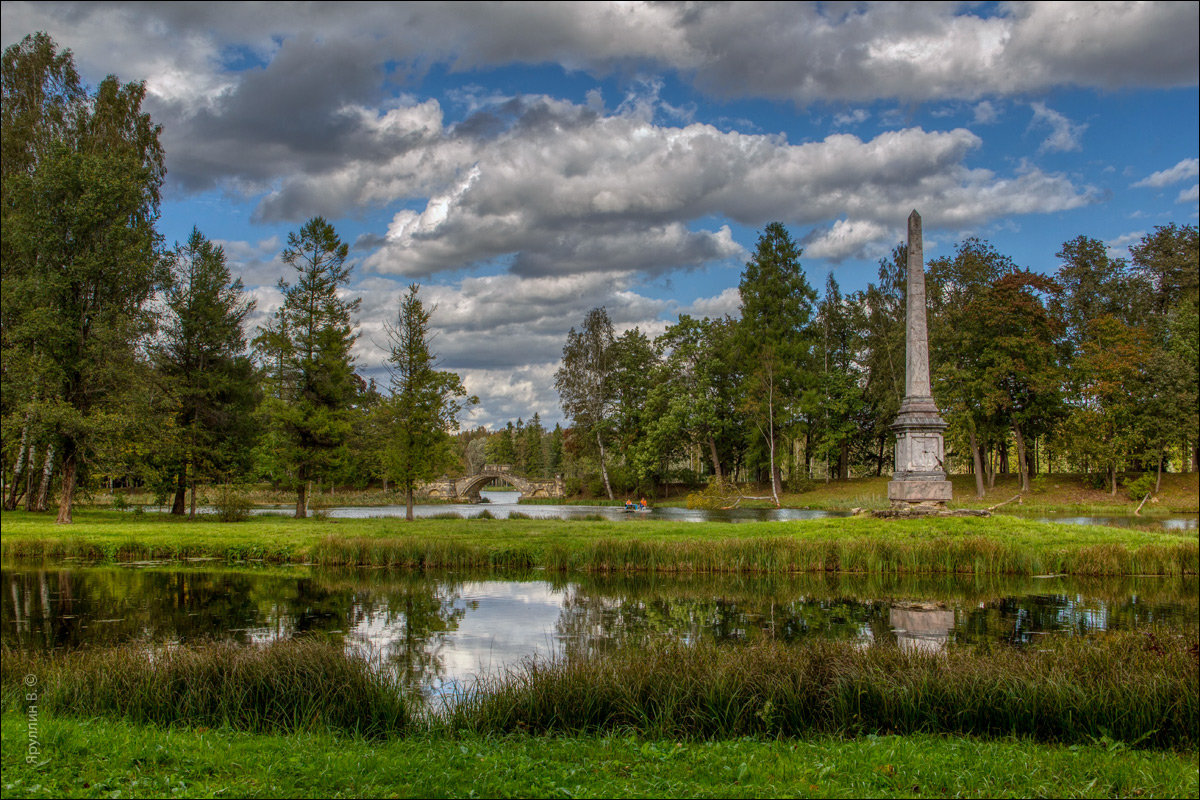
{"type": "Point", "coordinates": [501, 504]}
{"type": "Point", "coordinates": [441, 630]}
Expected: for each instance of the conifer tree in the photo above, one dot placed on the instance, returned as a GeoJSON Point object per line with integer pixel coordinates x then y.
{"type": "Point", "coordinates": [425, 403]}
{"type": "Point", "coordinates": [201, 356]}
{"type": "Point", "coordinates": [306, 352]}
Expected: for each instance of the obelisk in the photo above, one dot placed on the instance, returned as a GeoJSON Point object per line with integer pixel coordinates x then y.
{"type": "Point", "coordinates": [920, 477]}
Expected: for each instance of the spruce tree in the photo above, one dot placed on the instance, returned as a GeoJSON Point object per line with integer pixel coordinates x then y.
{"type": "Point", "coordinates": [775, 339]}
{"type": "Point", "coordinates": [201, 356]}
{"type": "Point", "coordinates": [425, 403]}
{"type": "Point", "coordinates": [306, 353]}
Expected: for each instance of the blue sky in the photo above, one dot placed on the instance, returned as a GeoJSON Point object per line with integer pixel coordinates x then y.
{"type": "Point", "coordinates": [528, 162]}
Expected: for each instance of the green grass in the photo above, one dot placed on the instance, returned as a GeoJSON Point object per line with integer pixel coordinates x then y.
{"type": "Point", "coordinates": [103, 758]}
{"type": "Point", "coordinates": [1000, 544]}
{"type": "Point", "coordinates": [1140, 689]}
{"type": "Point", "coordinates": [289, 685]}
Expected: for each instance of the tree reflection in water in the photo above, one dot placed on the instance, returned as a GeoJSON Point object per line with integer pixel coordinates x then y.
{"type": "Point", "coordinates": [437, 629]}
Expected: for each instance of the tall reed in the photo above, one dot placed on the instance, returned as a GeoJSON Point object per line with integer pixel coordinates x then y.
{"type": "Point", "coordinates": [1132, 688]}
{"type": "Point", "coordinates": [285, 686]}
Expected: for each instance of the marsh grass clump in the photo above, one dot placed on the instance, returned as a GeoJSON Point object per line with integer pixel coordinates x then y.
{"type": "Point", "coordinates": [1132, 688]}
{"type": "Point", "coordinates": [285, 686]}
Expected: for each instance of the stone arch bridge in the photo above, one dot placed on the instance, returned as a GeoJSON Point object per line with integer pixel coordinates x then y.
{"type": "Point", "coordinates": [466, 489]}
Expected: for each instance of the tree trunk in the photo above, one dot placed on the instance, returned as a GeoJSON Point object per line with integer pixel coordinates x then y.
{"type": "Point", "coordinates": [603, 468]}
{"type": "Point", "coordinates": [1158, 480]}
{"type": "Point", "coordinates": [180, 493]}
{"type": "Point", "coordinates": [1002, 448]}
{"type": "Point", "coordinates": [978, 462]}
{"type": "Point", "coordinates": [1112, 471]}
{"type": "Point", "coordinates": [68, 490]}
{"type": "Point", "coordinates": [408, 503]}
{"type": "Point", "coordinates": [192, 512]}
{"type": "Point", "coordinates": [10, 502]}
{"type": "Point", "coordinates": [1022, 463]}
{"type": "Point", "coordinates": [716, 460]}
{"type": "Point", "coordinates": [844, 461]}
{"type": "Point", "coordinates": [302, 500]}
{"type": "Point", "coordinates": [43, 495]}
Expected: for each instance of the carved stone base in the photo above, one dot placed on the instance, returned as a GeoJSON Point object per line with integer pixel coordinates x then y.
{"type": "Point", "coordinates": [921, 493]}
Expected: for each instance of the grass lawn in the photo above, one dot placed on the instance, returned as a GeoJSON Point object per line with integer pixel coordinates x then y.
{"type": "Point", "coordinates": [106, 758]}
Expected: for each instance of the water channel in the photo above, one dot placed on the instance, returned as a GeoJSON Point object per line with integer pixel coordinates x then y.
{"type": "Point", "coordinates": [442, 630]}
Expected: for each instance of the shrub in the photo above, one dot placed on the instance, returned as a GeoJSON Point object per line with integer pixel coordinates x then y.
{"type": "Point", "coordinates": [1139, 488]}
{"type": "Point", "coordinates": [231, 504]}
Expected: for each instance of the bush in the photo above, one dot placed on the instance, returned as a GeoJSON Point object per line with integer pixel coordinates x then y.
{"type": "Point", "coordinates": [801, 483]}
{"type": "Point", "coordinates": [232, 504]}
{"type": "Point", "coordinates": [1139, 488]}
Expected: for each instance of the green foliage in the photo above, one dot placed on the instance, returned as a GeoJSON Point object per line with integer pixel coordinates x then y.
{"type": "Point", "coordinates": [1139, 488]}
{"type": "Point", "coordinates": [200, 354]}
{"type": "Point", "coordinates": [80, 257]}
{"type": "Point", "coordinates": [775, 339]}
{"type": "Point", "coordinates": [306, 352]}
{"type": "Point", "coordinates": [231, 504]}
{"type": "Point", "coordinates": [425, 403]}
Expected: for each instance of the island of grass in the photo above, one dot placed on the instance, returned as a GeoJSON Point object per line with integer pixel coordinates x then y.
{"type": "Point", "coordinates": [991, 545]}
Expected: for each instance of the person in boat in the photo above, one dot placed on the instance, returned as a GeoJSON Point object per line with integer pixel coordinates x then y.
{"type": "Point", "coordinates": [643, 506]}
{"type": "Point", "coordinates": [629, 506]}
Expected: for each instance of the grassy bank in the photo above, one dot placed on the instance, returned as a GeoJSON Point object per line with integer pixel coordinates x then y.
{"type": "Point", "coordinates": [103, 758]}
{"type": "Point", "coordinates": [993, 545]}
{"type": "Point", "coordinates": [1139, 689]}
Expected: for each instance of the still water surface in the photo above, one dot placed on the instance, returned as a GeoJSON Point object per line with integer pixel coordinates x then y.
{"type": "Point", "coordinates": [441, 630]}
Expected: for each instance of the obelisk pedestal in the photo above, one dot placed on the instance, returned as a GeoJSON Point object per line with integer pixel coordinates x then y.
{"type": "Point", "coordinates": [920, 477]}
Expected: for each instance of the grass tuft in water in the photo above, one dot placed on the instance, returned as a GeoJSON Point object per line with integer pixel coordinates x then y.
{"type": "Point", "coordinates": [1131, 688]}
{"type": "Point", "coordinates": [283, 687]}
